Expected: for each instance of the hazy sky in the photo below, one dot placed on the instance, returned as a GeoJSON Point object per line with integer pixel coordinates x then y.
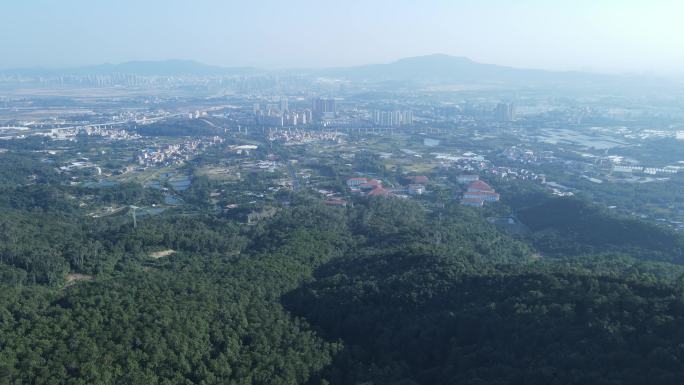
{"type": "Point", "coordinates": [604, 35]}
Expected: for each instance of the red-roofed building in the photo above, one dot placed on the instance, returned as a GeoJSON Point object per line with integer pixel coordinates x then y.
{"type": "Point", "coordinates": [370, 184]}
{"type": "Point", "coordinates": [487, 196]}
{"type": "Point", "coordinates": [472, 202]}
{"type": "Point", "coordinates": [479, 192]}
{"type": "Point", "coordinates": [336, 202]}
{"type": "Point", "coordinates": [353, 182]}
{"type": "Point", "coordinates": [380, 192]}
{"type": "Point", "coordinates": [479, 185]}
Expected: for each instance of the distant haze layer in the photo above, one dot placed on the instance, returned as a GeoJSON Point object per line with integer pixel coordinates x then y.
{"type": "Point", "coordinates": [604, 35]}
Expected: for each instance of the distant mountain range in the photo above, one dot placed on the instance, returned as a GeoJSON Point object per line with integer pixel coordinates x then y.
{"type": "Point", "coordinates": [441, 68]}
{"type": "Point", "coordinates": [140, 68]}
{"type": "Point", "coordinates": [431, 69]}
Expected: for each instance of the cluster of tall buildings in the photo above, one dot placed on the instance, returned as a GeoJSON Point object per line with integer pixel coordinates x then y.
{"type": "Point", "coordinates": [504, 112]}
{"type": "Point", "coordinates": [279, 114]}
{"type": "Point", "coordinates": [394, 118]}
{"type": "Point", "coordinates": [105, 80]}
{"type": "Point", "coordinates": [324, 108]}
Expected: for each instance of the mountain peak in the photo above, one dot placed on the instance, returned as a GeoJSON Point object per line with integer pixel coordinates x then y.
{"type": "Point", "coordinates": [436, 57]}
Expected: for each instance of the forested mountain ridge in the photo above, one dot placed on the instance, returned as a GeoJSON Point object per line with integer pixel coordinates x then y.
{"type": "Point", "coordinates": [570, 226]}
{"type": "Point", "coordinates": [196, 318]}
{"type": "Point", "coordinates": [383, 292]}
{"type": "Point", "coordinates": [437, 327]}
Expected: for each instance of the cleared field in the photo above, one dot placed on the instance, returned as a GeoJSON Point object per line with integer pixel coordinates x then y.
{"type": "Point", "coordinates": [219, 173]}
{"type": "Point", "coordinates": [72, 279]}
{"type": "Point", "coordinates": [161, 253]}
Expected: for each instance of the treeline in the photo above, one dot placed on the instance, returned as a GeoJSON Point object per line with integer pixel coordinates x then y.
{"type": "Point", "coordinates": [482, 311]}
{"type": "Point", "coordinates": [419, 322]}
{"type": "Point", "coordinates": [18, 169]}
{"type": "Point", "coordinates": [179, 128]}
{"type": "Point", "coordinates": [42, 249]}
{"type": "Point", "coordinates": [572, 226]}
{"type": "Point", "coordinates": [210, 313]}
{"type": "Point", "coordinates": [209, 317]}
{"type": "Point", "coordinates": [380, 292]}
{"type": "Point", "coordinates": [44, 234]}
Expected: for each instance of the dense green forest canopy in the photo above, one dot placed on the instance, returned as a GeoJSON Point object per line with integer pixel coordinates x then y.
{"type": "Point", "coordinates": [571, 226]}
{"type": "Point", "coordinates": [422, 322]}
{"type": "Point", "coordinates": [382, 291]}
{"type": "Point", "coordinates": [179, 128]}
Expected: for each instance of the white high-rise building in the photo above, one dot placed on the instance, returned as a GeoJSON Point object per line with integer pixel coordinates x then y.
{"type": "Point", "coordinates": [504, 112]}
{"type": "Point", "coordinates": [392, 118]}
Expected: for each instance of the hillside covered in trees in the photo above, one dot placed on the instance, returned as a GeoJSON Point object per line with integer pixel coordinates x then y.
{"type": "Point", "coordinates": [381, 292]}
